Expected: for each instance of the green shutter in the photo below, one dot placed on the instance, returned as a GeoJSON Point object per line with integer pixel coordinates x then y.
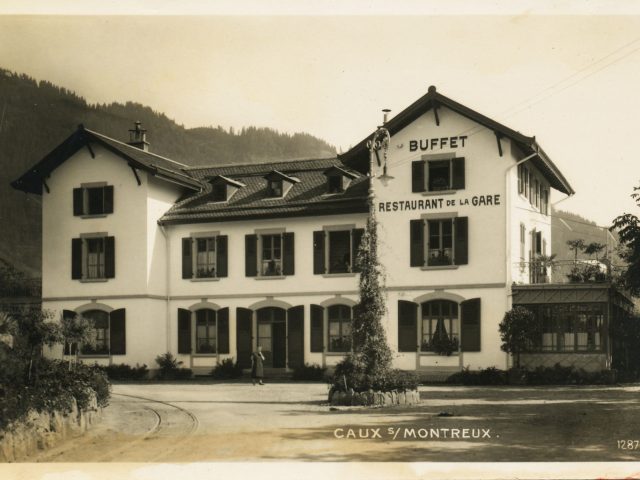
{"type": "Point", "coordinates": [221, 256]}
{"type": "Point", "coordinates": [295, 336]}
{"type": "Point", "coordinates": [317, 331]}
{"type": "Point", "coordinates": [356, 239]}
{"type": "Point", "coordinates": [110, 257]}
{"type": "Point", "coordinates": [244, 340]}
{"type": "Point", "coordinates": [184, 331]}
{"type": "Point", "coordinates": [187, 264]}
{"type": "Point", "coordinates": [288, 255]}
{"type": "Point", "coordinates": [76, 258]}
{"type": "Point", "coordinates": [417, 176]}
{"type": "Point", "coordinates": [78, 201]}
{"type": "Point", "coordinates": [458, 173]}
{"type": "Point", "coordinates": [416, 247]}
{"type": "Point", "coordinates": [470, 325]}
{"type": "Point", "coordinates": [223, 330]}
{"type": "Point", "coordinates": [407, 326]}
{"type": "Point", "coordinates": [318, 253]}
{"type": "Point", "coordinates": [251, 256]}
{"type": "Point", "coordinates": [461, 232]}
{"type": "Point", "coordinates": [118, 332]}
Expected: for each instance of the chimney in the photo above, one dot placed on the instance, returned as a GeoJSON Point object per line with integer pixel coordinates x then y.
{"type": "Point", "coordinates": [386, 115]}
{"type": "Point", "coordinates": [138, 137]}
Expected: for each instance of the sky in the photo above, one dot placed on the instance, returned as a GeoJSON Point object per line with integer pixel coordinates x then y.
{"type": "Point", "coordinates": [570, 80]}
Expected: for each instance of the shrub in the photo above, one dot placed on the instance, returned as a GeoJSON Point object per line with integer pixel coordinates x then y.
{"type": "Point", "coordinates": [226, 369]}
{"type": "Point", "coordinates": [126, 372]}
{"type": "Point", "coordinates": [359, 381]}
{"type": "Point", "coordinates": [309, 372]}
{"type": "Point", "coordinates": [487, 376]}
{"type": "Point", "coordinates": [170, 368]}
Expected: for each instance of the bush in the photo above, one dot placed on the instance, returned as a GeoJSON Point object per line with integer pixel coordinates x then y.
{"type": "Point", "coordinates": [126, 372]}
{"type": "Point", "coordinates": [309, 372]}
{"type": "Point", "coordinates": [356, 379]}
{"type": "Point", "coordinates": [226, 370]}
{"type": "Point", "coordinates": [487, 376]}
{"type": "Point", "coordinates": [170, 368]}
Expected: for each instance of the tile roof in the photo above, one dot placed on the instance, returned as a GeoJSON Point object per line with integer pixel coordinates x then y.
{"type": "Point", "coordinates": [307, 197]}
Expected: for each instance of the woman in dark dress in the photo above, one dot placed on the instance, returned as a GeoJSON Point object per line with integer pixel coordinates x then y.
{"type": "Point", "coordinates": [257, 370]}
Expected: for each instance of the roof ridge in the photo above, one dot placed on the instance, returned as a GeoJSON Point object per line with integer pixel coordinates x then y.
{"type": "Point", "coordinates": [271, 162]}
{"type": "Point", "coordinates": [93, 132]}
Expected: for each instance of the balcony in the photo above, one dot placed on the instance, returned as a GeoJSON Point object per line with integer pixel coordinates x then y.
{"type": "Point", "coordinates": [546, 269]}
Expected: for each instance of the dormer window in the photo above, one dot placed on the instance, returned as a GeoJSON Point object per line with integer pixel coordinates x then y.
{"type": "Point", "coordinates": [278, 184]}
{"type": "Point", "coordinates": [275, 188]}
{"type": "Point", "coordinates": [338, 179]}
{"type": "Point", "coordinates": [223, 188]}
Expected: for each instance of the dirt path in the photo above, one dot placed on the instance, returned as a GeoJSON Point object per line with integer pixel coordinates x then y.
{"type": "Point", "coordinates": [238, 422]}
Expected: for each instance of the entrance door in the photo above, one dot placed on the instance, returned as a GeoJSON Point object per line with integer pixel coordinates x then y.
{"type": "Point", "coordinates": [272, 336]}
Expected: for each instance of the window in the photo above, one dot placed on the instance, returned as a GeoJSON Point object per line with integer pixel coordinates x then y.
{"type": "Point", "coordinates": [93, 257]}
{"type": "Point", "coordinates": [438, 175]}
{"type": "Point", "coordinates": [335, 251]}
{"type": "Point", "coordinates": [219, 192]}
{"type": "Point", "coordinates": [204, 256]}
{"type": "Point", "coordinates": [520, 179]}
{"type": "Point", "coordinates": [569, 327]}
{"type": "Point", "coordinates": [206, 332]}
{"type": "Point", "coordinates": [269, 254]}
{"type": "Point", "coordinates": [335, 184]}
{"type": "Point", "coordinates": [544, 201]}
{"type": "Point", "coordinates": [339, 328]}
{"type": "Point", "coordinates": [107, 335]}
{"type": "Point", "coordinates": [440, 326]}
{"type": "Point", "coordinates": [439, 242]}
{"type": "Point", "coordinates": [526, 182]}
{"type": "Point", "coordinates": [536, 194]}
{"type": "Point", "coordinates": [274, 188]}
{"type": "Point", "coordinates": [90, 200]}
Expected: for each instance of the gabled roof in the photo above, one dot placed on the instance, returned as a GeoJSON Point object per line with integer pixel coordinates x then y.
{"type": "Point", "coordinates": [161, 167]}
{"type": "Point", "coordinates": [308, 196]}
{"type": "Point", "coordinates": [227, 180]}
{"type": "Point", "coordinates": [341, 171]}
{"type": "Point", "coordinates": [357, 157]}
{"type": "Point", "coordinates": [278, 174]}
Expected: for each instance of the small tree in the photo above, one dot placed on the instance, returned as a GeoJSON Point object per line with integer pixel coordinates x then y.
{"type": "Point", "coordinates": [75, 330]}
{"type": "Point", "coordinates": [628, 228]}
{"type": "Point", "coordinates": [519, 331]}
{"type": "Point", "coordinates": [372, 355]}
{"type": "Point", "coordinates": [35, 330]}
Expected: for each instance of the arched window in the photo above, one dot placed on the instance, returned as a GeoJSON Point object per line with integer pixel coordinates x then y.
{"type": "Point", "coordinates": [440, 326]}
{"type": "Point", "coordinates": [339, 328]}
{"type": "Point", "coordinates": [206, 333]}
{"type": "Point", "coordinates": [99, 343]}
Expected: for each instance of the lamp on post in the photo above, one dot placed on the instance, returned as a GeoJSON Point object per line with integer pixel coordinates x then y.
{"type": "Point", "coordinates": [379, 141]}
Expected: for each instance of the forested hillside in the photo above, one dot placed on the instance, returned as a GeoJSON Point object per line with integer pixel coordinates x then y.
{"type": "Point", "coordinates": [36, 116]}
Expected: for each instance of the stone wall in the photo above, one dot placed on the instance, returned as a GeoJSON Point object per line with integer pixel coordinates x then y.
{"type": "Point", "coordinates": [371, 398]}
{"type": "Point", "coordinates": [590, 362]}
{"type": "Point", "coordinates": [42, 430]}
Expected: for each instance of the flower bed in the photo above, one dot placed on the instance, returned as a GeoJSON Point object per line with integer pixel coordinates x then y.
{"type": "Point", "coordinates": [373, 398]}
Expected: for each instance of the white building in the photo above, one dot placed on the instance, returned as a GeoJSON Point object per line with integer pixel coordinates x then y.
{"type": "Point", "coordinates": [208, 262]}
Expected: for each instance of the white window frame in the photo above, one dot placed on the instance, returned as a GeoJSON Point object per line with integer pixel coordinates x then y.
{"type": "Point", "coordinates": [213, 236]}
{"type": "Point", "coordinates": [85, 198]}
{"type": "Point", "coordinates": [85, 238]}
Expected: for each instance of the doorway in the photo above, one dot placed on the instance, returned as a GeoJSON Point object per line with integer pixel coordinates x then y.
{"type": "Point", "coordinates": [272, 336]}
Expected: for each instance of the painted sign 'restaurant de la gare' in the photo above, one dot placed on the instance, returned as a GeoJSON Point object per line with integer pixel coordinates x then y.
{"type": "Point", "coordinates": [436, 203]}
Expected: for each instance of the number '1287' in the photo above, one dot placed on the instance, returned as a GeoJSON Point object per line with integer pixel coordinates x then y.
{"type": "Point", "coordinates": [629, 444]}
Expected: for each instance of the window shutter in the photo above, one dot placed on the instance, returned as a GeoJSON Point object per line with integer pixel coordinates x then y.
{"type": "Point", "coordinates": [470, 325]}
{"type": "Point", "coordinates": [244, 340]}
{"type": "Point", "coordinates": [461, 233]}
{"type": "Point", "coordinates": [538, 242]}
{"type": "Point", "coordinates": [407, 326]}
{"type": "Point", "coordinates": [318, 253]}
{"type": "Point", "coordinates": [184, 331]}
{"type": "Point", "coordinates": [223, 330]}
{"type": "Point", "coordinates": [356, 240]}
{"type": "Point", "coordinates": [110, 257]}
{"type": "Point", "coordinates": [251, 256]}
{"type": "Point", "coordinates": [187, 264]}
{"type": "Point", "coordinates": [108, 199]}
{"type": "Point", "coordinates": [78, 201]}
{"type": "Point", "coordinates": [458, 173]}
{"type": "Point", "coordinates": [417, 176]}
{"type": "Point", "coordinates": [520, 179]}
{"type": "Point", "coordinates": [317, 332]}
{"type": "Point", "coordinates": [295, 336]}
{"type": "Point", "coordinates": [69, 348]}
{"type": "Point", "coordinates": [118, 332]}
{"type": "Point", "coordinates": [416, 248]}
{"type": "Point", "coordinates": [221, 256]}
{"type": "Point", "coordinates": [288, 260]}
{"type": "Point", "coordinates": [76, 258]}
